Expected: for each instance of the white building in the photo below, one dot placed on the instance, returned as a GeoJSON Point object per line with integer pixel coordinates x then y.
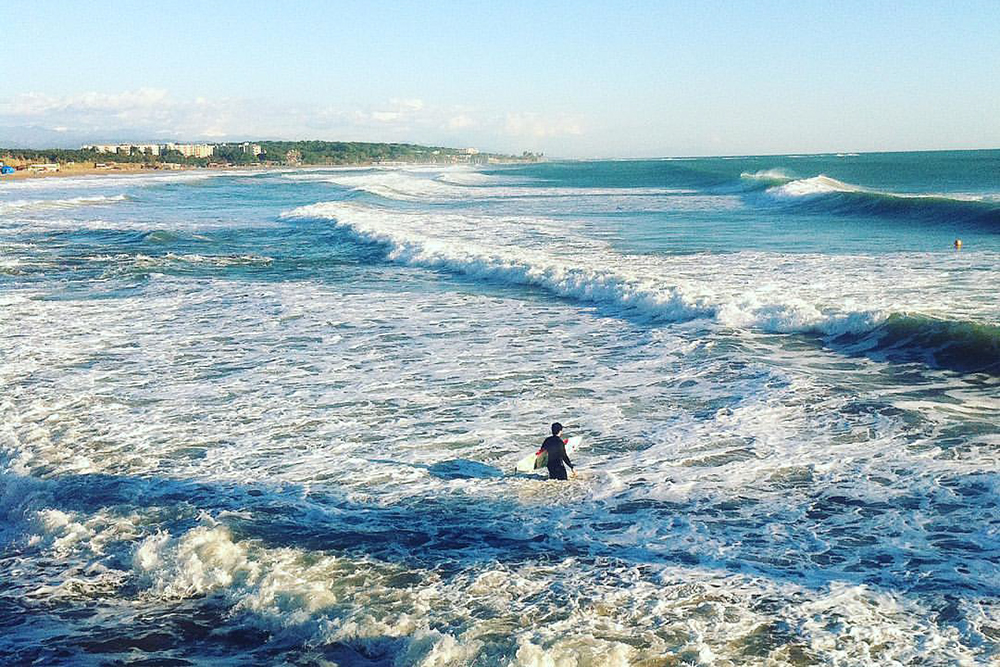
{"type": "Point", "coordinates": [125, 149]}
{"type": "Point", "coordinates": [253, 149]}
{"type": "Point", "coordinates": [191, 150]}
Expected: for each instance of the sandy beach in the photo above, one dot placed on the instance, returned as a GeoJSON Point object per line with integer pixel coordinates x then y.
{"type": "Point", "coordinates": [80, 169]}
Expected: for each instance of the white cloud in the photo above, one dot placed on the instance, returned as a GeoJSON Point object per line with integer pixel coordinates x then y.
{"type": "Point", "coordinates": [36, 104]}
{"type": "Point", "coordinates": [386, 116]}
{"type": "Point", "coordinates": [399, 110]}
{"type": "Point", "coordinates": [408, 104]}
{"type": "Point", "coordinates": [152, 113]}
{"type": "Point", "coordinates": [534, 125]}
{"type": "Point", "coordinates": [138, 110]}
{"type": "Point", "coordinates": [460, 122]}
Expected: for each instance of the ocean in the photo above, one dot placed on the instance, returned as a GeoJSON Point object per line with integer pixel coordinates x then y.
{"type": "Point", "coordinates": [272, 417]}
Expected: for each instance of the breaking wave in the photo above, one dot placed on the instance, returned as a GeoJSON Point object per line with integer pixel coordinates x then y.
{"type": "Point", "coordinates": [828, 195]}
{"type": "Point", "coordinates": [819, 194]}
{"type": "Point", "coordinates": [451, 186]}
{"type": "Point", "coordinates": [647, 295]}
{"type": "Point", "coordinates": [112, 180]}
{"type": "Point", "coordinates": [767, 177]}
{"type": "Point", "coordinates": [650, 292]}
{"type": "Point", "coordinates": [468, 178]}
{"type": "Point", "coordinates": [959, 345]}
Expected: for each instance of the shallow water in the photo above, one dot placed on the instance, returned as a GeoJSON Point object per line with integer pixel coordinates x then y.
{"type": "Point", "coordinates": [252, 418]}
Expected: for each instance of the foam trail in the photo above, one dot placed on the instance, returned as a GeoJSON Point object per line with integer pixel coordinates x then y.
{"type": "Point", "coordinates": [469, 178]}
{"type": "Point", "coordinates": [820, 185]}
{"type": "Point", "coordinates": [72, 202]}
{"type": "Point", "coordinates": [234, 436]}
{"type": "Point", "coordinates": [817, 185]}
{"type": "Point", "coordinates": [410, 186]}
{"type": "Point", "coordinates": [110, 181]}
{"type": "Point", "coordinates": [648, 292]}
{"type": "Point", "coordinates": [772, 176]}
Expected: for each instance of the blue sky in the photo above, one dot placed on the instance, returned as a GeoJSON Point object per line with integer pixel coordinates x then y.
{"type": "Point", "coordinates": [573, 79]}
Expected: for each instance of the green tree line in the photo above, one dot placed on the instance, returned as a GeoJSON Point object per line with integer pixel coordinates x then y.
{"type": "Point", "coordinates": [273, 152]}
{"type": "Point", "coordinates": [350, 152]}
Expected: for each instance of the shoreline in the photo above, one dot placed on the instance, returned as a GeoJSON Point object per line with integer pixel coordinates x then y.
{"type": "Point", "coordinates": [138, 168]}
{"type": "Point", "coordinates": [89, 170]}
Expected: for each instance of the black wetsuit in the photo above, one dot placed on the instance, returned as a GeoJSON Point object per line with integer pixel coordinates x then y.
{"type": "Point", "coordinates": [557, 456]}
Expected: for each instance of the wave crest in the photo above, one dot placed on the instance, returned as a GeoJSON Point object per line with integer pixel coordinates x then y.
{"type": "Point", "coordinates": [817, 185]}
{"type": "Point", "coordinates": [825, 194]}
{"type": "Point", "coordinates": [411, 185]}
{"type": "Point", "coordinates": [449, 243]}
{"type": "Point", "coordinates": [768, 176]}
{"type": "Point", "coordinates": [656, 289]}
{"type": "Point", "coordinates": [958, 345]}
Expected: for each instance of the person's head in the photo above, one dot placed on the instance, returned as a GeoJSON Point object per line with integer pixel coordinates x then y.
{"type": "Point", "coordinates": [556, 428]}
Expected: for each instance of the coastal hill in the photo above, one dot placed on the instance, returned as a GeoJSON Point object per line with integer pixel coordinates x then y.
{"type": "Point", "coordinates": [275, 153]}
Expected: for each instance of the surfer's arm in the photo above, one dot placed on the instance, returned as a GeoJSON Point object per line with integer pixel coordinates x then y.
{"type": "Point", "coordinates": [565, 458]}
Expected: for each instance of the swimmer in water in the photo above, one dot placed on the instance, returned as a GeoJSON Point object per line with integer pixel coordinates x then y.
{"type": "Point", "coordinates": [958, 244]}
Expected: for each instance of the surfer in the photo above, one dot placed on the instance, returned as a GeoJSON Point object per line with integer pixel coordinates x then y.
{"type": "Point", "coordinates": [556, 447]}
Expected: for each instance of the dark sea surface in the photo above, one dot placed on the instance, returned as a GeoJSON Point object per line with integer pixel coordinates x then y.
{"type": "Point", "coordinates": [272, 417]}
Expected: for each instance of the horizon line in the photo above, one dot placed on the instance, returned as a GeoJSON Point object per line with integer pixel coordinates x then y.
{"type": "Point", "coordinates": [689, 156]}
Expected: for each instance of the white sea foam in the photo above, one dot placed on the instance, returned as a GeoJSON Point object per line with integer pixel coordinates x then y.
{"type": "Point", "coordinates": [411, 186]}
{"type": "Point", "coordinates": [323, 173]}
{"type": "Point", "coordinates": [213, 260]}
{"type": "Point", "coordinates": [470, 178]}
{"type": "Point", "coordinates": [823, 185]}
{"type": "Point", "coordinates": [817, 185]}
{"type": "Point", "coordinates": [656, 288]}
{"type": "Point", "coordinates": [111, 181]}
{"type": "Point", "coordinates": [22, 205]}
{"type": "Point", "coordinates": [422, 377]}
{"type": "Point", "coordinates": [768, 175]}
{"type": "Point", "coordinates": [326, 462]}
{"type": "Point", "coordinates": [627, 614]}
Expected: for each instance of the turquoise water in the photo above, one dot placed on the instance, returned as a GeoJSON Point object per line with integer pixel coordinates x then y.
{"type": "Point", "coordinates": [254, 417]}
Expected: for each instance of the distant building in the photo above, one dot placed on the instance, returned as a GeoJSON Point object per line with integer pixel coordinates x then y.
{"type": "Point", "coordinates": [187, 150]}
{"type": "Point", "coordinates": [471, 151]}
{"type": "Point", "coordinates": [253, 149]}
{"type": "Point", "coordinates": [125, 149]}
{"type": "Point", "coordinates": [192, 150]}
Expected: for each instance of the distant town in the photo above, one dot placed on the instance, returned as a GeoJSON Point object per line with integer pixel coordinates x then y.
{"type": "Point", "coordinates": [136, 156]}
{"type": "Point", "coordinates": [187, 150]}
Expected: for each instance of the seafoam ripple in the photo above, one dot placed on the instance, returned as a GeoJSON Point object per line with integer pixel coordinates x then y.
{"type": "Point", "coordinates": [263, 468]}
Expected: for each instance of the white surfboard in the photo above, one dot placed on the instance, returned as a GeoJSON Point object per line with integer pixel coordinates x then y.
{"type": "Point", "coordinates": [539, 459]}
